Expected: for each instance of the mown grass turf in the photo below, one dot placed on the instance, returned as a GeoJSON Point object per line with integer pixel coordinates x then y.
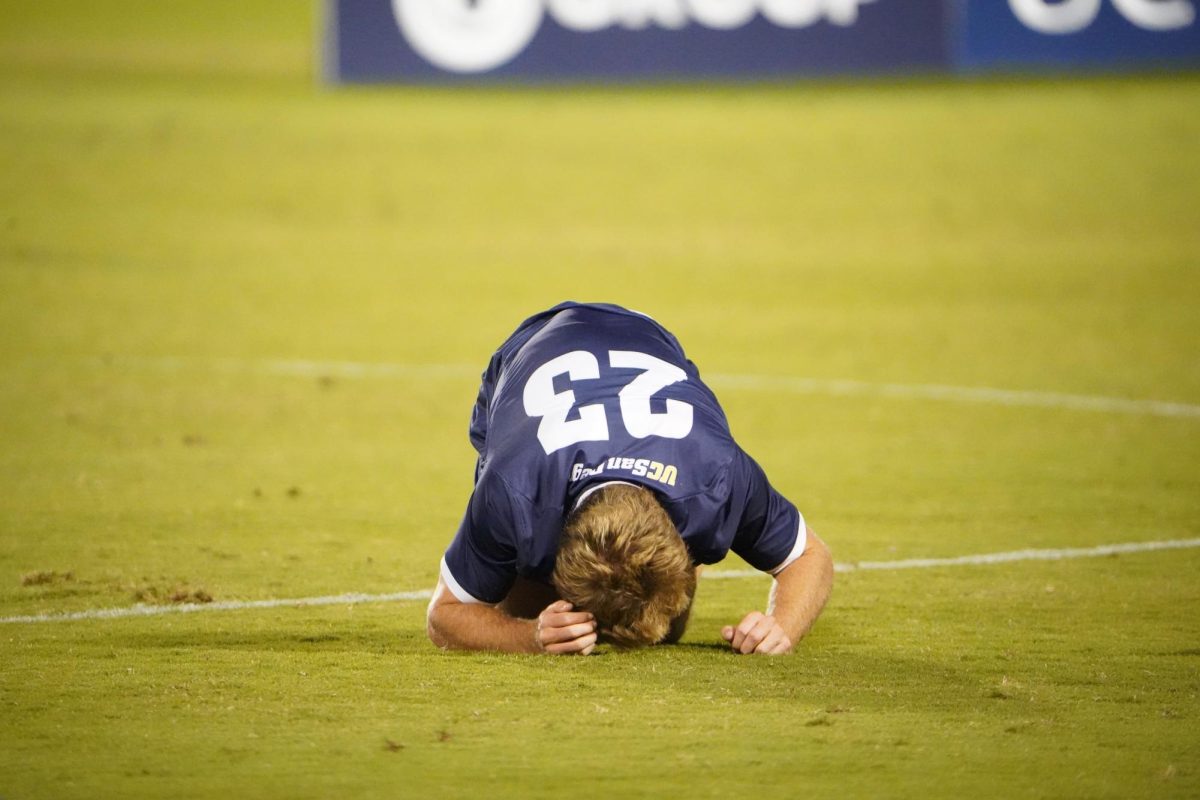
{"type": "Point", "coordinates": [180, 206]}
{"type": "Point", "coordinates": [1047, 681]}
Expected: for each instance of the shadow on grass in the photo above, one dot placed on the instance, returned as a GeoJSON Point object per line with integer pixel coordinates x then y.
{"type": "Point", "coordinates": [700, 647]}
{"type": "Point", "coordinates": [835, 662]}
{"type": "Point", "coordinates": [829, 672]}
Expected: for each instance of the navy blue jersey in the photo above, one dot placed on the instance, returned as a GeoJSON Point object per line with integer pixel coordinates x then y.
{"type": "Point", "coordinates": [585, 394]}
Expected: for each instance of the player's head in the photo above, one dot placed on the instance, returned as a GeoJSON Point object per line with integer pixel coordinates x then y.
{"type": "Point", "coordinates": [622, 559]}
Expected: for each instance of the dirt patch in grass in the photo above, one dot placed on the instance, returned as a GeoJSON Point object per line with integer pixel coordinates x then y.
{"type": "Point", "coordinates": [178, 594]}
{"type": "Point", "coordinates": [46, 578]}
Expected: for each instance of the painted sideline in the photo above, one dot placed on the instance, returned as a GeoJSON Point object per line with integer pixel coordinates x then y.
{"type": "Point", "coordinates": [962, 394]}
{"type": "Point", "coordinates": [142, 610]}
{"type": "Point", "coordinates": [394, 597]}
{"type": "Point", "coordinates": [305, 368]}
{"type": "Point", "coordinates": [1051, 554]}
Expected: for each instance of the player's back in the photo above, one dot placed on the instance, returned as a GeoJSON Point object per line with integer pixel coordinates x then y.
{"type": "Point", "coordinates": [584, 394]}
{"type": "Point", "coordinates": [583, 389]}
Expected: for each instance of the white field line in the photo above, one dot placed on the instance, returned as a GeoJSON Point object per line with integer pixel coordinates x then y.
{"type": "Point", "coordinates": [962, 394]}
{"type": "Point", "coordinates": [142, 610]}
{"type": "Point", "coordinates": [295, 368]}
{"type": "Point", "coordinates": [773, 383]}
{"type": "Point", "coordinates": [1053, 554]}
{"type": "Point", "coordinates": [394, 597]}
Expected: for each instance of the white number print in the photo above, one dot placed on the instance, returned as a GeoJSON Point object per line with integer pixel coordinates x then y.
{"type": "Point", "coordinates": [556, 432]}
{"type": "Point", "coordinates": [640, 421]}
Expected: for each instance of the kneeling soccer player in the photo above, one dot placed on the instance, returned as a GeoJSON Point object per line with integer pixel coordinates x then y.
{"type": "Point", "coordinates": [606, 477]}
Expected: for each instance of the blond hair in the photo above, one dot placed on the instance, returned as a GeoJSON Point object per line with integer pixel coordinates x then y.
{"type": "Point", "coordinates": [622, 559]}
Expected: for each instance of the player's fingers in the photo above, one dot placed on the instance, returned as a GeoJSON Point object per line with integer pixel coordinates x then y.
{"type": "Point", "coordinates": [727, 633]}
{"type": "Point", "coordinates": [561, 619]}
{"type": "Point", "coordinates": [573, 646]}
{"type": "Point", "coordinates": [567, 632]}
{"type": "Point", "coordinates": [744, 627]}
{"type": "Point", "coordinates": [557, 606]}
{"type": "Point", "coordinates": [749, 621]}
{"type": "Point", "coordinates": [770, 643]}
{"type": "Point", "coordinates": [784, 647]}
{"type": "Point", "coordinates": [587, 651]}
{"type": "Point", "coordinates": [755, 636]}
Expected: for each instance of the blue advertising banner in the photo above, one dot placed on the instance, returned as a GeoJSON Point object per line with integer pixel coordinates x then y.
{"type": "Point", "coordinates": [557, 40]}
{"type": "Point", "coordinates": [1109, 34]}
{"type": "Point", "coordinates": [445, 41]}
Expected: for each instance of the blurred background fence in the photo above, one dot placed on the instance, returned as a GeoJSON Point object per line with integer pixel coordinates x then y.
{"type": "Point", "coordinates": [601, 40]}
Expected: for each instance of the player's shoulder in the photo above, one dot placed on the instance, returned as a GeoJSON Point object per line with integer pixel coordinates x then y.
{"type": "Point", "coordinates": [596, 327]}
{"type": "Point", "coordinates": [492, 482]}
{"type": "Point", "coordinates": [595, 315]}
{"type": "Point", "coordinates": [501, 505]}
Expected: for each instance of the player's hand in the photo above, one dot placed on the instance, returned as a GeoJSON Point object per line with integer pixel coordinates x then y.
{"type": "Point", "coordinates": [562, 631]}
{"type": "Point", "coordinates": [758, 633]}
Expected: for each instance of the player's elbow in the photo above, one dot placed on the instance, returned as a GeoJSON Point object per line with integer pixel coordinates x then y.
{"type": "Point", "coordinates": [821, 558]}
{"type": "Point", "coordinates": [435, 626]}
{"type": "Point", "coordinates": [826, 578]}
{"type": "Point", "coordinates": [823, 553]}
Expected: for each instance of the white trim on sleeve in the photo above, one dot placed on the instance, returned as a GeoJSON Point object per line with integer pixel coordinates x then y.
{"type": "Point", "coordinates": [455, 587]}
{"type": "Point", "coordinates": [797, 549]}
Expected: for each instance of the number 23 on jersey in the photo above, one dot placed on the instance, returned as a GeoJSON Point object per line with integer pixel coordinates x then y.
{"type": "Point", "coordinates": [556, 432]}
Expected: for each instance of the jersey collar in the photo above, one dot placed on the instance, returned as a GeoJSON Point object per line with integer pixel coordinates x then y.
{"type": "Point", "coordinates": [588, 492]}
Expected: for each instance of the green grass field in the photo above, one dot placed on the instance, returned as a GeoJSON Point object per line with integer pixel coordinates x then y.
{"type": "Point", "coordinates": [195, 241]}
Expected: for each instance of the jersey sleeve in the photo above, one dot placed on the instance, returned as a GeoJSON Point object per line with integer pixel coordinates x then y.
{"type": "Point", "coordinates": [478, 429]}
{"type": "Point", "coordinates": [772, 532]}
{"type": "Point", "coordinates": [480, 564]}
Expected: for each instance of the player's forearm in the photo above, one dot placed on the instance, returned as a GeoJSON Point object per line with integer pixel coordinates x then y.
{"type": "Point", "coordinates": [470, 626]}
{"type": "Point", "coordinates": [801, 590]}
